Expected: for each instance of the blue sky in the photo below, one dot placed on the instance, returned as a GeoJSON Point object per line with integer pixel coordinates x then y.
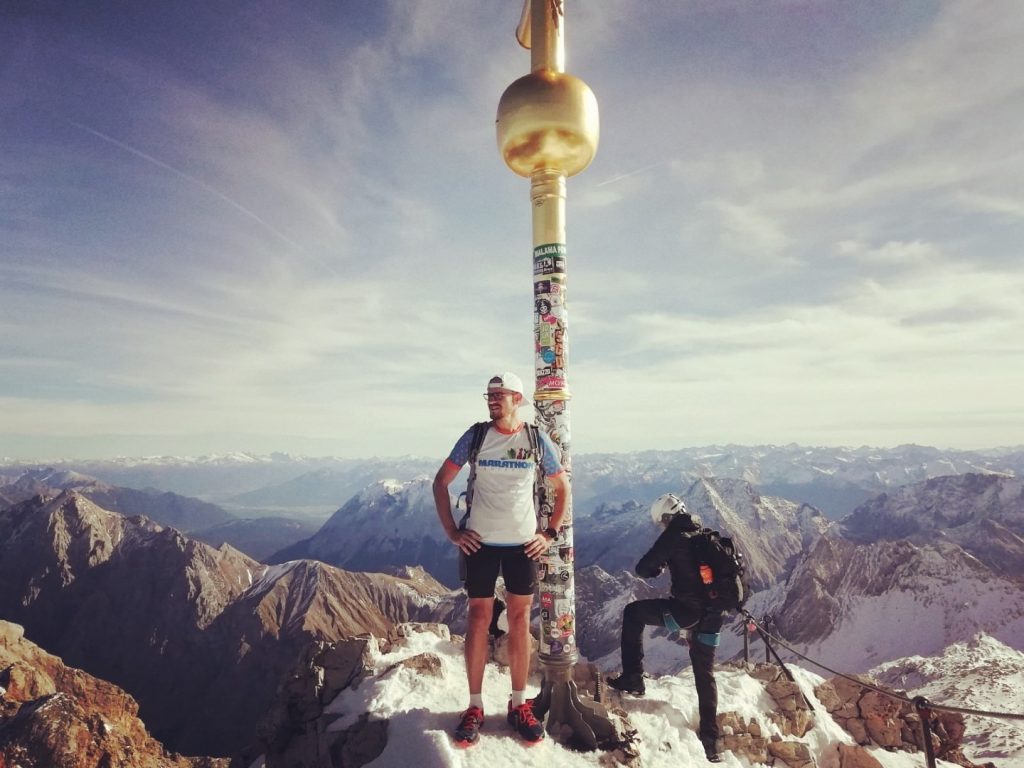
{"type": "Point", "coordinates": [267, 226]}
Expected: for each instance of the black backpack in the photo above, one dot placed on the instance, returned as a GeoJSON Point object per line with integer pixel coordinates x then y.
{"type": "Point", "coordinates": [720, 570]}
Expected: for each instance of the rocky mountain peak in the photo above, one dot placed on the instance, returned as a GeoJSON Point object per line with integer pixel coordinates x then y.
{"type": "Point", "coordinates": [43, 481]}
{"type": "Point", "coordinates": [983, 513]}
{"type": "Point", "coordinates": [857, 605]}
{"type": "Point", "coordinates": [388, 525]}
{"type": "Point", "coordinates": [167, 508]}
{"type": "Point", "coordinates": [771, 532]}
{"type": "Point", "coordinates": [941, 503]}
{"type": "Point", "coordinates": [51, 541]}
{"type": "Point", "coordinates": [51, 715]}
{"type": "Point", "coordinates": [388, 505]}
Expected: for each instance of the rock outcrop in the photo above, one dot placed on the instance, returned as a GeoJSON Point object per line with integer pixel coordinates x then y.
{"type": "Point", "coordinates": [891, 721]}
{"type": "Point", "coordinates": [301, 728]}
{"type": "Point", "coordinates": [54, 715]}
{"type": "Point", "coordinates": [792, 717]}
{"type": "Point", "coordinates": [873, 719]}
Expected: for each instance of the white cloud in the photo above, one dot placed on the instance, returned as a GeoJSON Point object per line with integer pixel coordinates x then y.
{"type": "Point", "coordinates": [322, 239]}
{"type": "Point", "coordinates": [916, 253]}
{"type": "Point", "coordinates": [747, 230]}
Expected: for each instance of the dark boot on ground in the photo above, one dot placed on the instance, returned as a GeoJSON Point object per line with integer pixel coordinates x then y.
{"type": "Point", "coordinates": [629, 682]}
{"type": "Point", "coordinates": [711, 750]}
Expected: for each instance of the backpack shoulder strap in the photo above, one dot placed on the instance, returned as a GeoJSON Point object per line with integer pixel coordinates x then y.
{"type": "Point", "coordinates": [537, 446]}
{"type": "Point", "coordinates": [479, 433]}
{"type": "Point", "coordinates": [533, 435]}
{"type": "Point", "coordinates": [702, 545]}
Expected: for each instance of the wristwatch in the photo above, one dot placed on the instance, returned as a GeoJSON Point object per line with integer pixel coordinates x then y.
{"type": "Point", "coordinates": [551, 533]}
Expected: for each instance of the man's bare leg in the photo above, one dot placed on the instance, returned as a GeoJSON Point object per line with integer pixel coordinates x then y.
{"type": "Point", "coordinates": [480, 610]}
{"type": "Point", "coordinates": [520, 715]}
{"type": "Point", "coordinates": [518, 607]}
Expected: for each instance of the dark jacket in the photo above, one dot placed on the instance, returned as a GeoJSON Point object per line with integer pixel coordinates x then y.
{"type": "Point", "coordinates": [672, 548]}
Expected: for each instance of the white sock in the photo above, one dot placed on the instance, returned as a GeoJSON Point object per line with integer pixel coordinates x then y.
{"type": "Point", "coordinates": [518, 697]}
{"type": "Point", "coordinates": [476, 700]}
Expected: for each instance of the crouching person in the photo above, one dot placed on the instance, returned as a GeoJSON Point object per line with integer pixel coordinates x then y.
{"type": "Point", "coordinates": [686, 609]}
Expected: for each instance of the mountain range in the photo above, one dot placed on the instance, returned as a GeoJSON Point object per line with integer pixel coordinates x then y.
{"type": "Point", "coordinates": [927, 566]}
{"type": "Point", "coordinates": [832, 479]}
{"type": "Point", "coordinates": [258, 537]}
{"type": "Point", "coordinates": [201, 636]}
{"type": "Point", "coordinates": [171, 509]}
{"type": "Point", "coordinates": [387, 525]}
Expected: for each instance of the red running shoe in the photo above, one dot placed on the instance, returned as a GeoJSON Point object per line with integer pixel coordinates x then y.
{"type": "Point", "coordinates": [468, 732]}
{"type": "Point", "coordinates": [527, 726]}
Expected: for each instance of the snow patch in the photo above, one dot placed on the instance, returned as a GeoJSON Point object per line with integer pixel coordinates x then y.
{"type": "Point", "coordinates": [423, 711]}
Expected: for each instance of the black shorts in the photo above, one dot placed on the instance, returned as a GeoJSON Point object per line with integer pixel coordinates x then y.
{"type": "Point", "coordinates": [482, 567]}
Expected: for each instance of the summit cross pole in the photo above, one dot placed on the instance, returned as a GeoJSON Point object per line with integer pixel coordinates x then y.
{"type": "Point", "coordinates": [547, 130]}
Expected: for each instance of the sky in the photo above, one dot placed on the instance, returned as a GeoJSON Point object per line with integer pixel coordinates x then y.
{"type": "Point", "coordinates": [263, 227]}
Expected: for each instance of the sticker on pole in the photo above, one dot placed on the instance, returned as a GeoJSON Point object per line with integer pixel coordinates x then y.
{"type": "Point", "coordinates": [549, 259]}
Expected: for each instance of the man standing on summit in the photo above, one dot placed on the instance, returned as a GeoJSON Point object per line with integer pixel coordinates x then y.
{"type": "Point", "coordinates": [501, 535]}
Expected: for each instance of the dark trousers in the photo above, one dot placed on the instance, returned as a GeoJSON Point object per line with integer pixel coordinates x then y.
{"type": "Point", "coordinates": [644, 613]}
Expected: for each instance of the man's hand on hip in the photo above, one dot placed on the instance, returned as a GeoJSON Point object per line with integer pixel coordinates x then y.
{"type": "Point", "coordinates": [466, 540]}
{"type": "Point", "coordinates": [536, 546]}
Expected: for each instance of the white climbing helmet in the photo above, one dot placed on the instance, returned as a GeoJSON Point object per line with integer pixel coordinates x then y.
{"type": "Point", "coordinates": [665, 507]}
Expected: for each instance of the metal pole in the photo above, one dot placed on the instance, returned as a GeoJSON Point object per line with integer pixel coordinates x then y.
{"type": "Point", "coordinates": [547, 131]}
{"type": "Point", "coordinates": [770, 651]}
{"type": "Point", "coordinates": [924, 711]}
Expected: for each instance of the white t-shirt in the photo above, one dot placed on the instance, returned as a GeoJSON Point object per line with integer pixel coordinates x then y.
{"type": "Point", "coordinates": [503, 510]}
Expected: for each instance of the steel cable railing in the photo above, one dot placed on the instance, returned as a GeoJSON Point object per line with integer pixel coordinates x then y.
{"type": "Point", "coordinates": [922, 705]}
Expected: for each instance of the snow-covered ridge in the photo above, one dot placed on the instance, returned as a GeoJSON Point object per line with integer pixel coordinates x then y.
{"type": "Point", "coordinates": [418, 686]}
{"type": "Point", "coordinates": [942, 503]}
{"type": "Point", "coordinates": [598, 476]}
{"type": "Point", "coordinates": [980, 673]}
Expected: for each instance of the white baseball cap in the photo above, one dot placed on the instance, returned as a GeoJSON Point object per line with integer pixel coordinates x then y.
{"type": "Point", "coordinates": [506, 381]}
